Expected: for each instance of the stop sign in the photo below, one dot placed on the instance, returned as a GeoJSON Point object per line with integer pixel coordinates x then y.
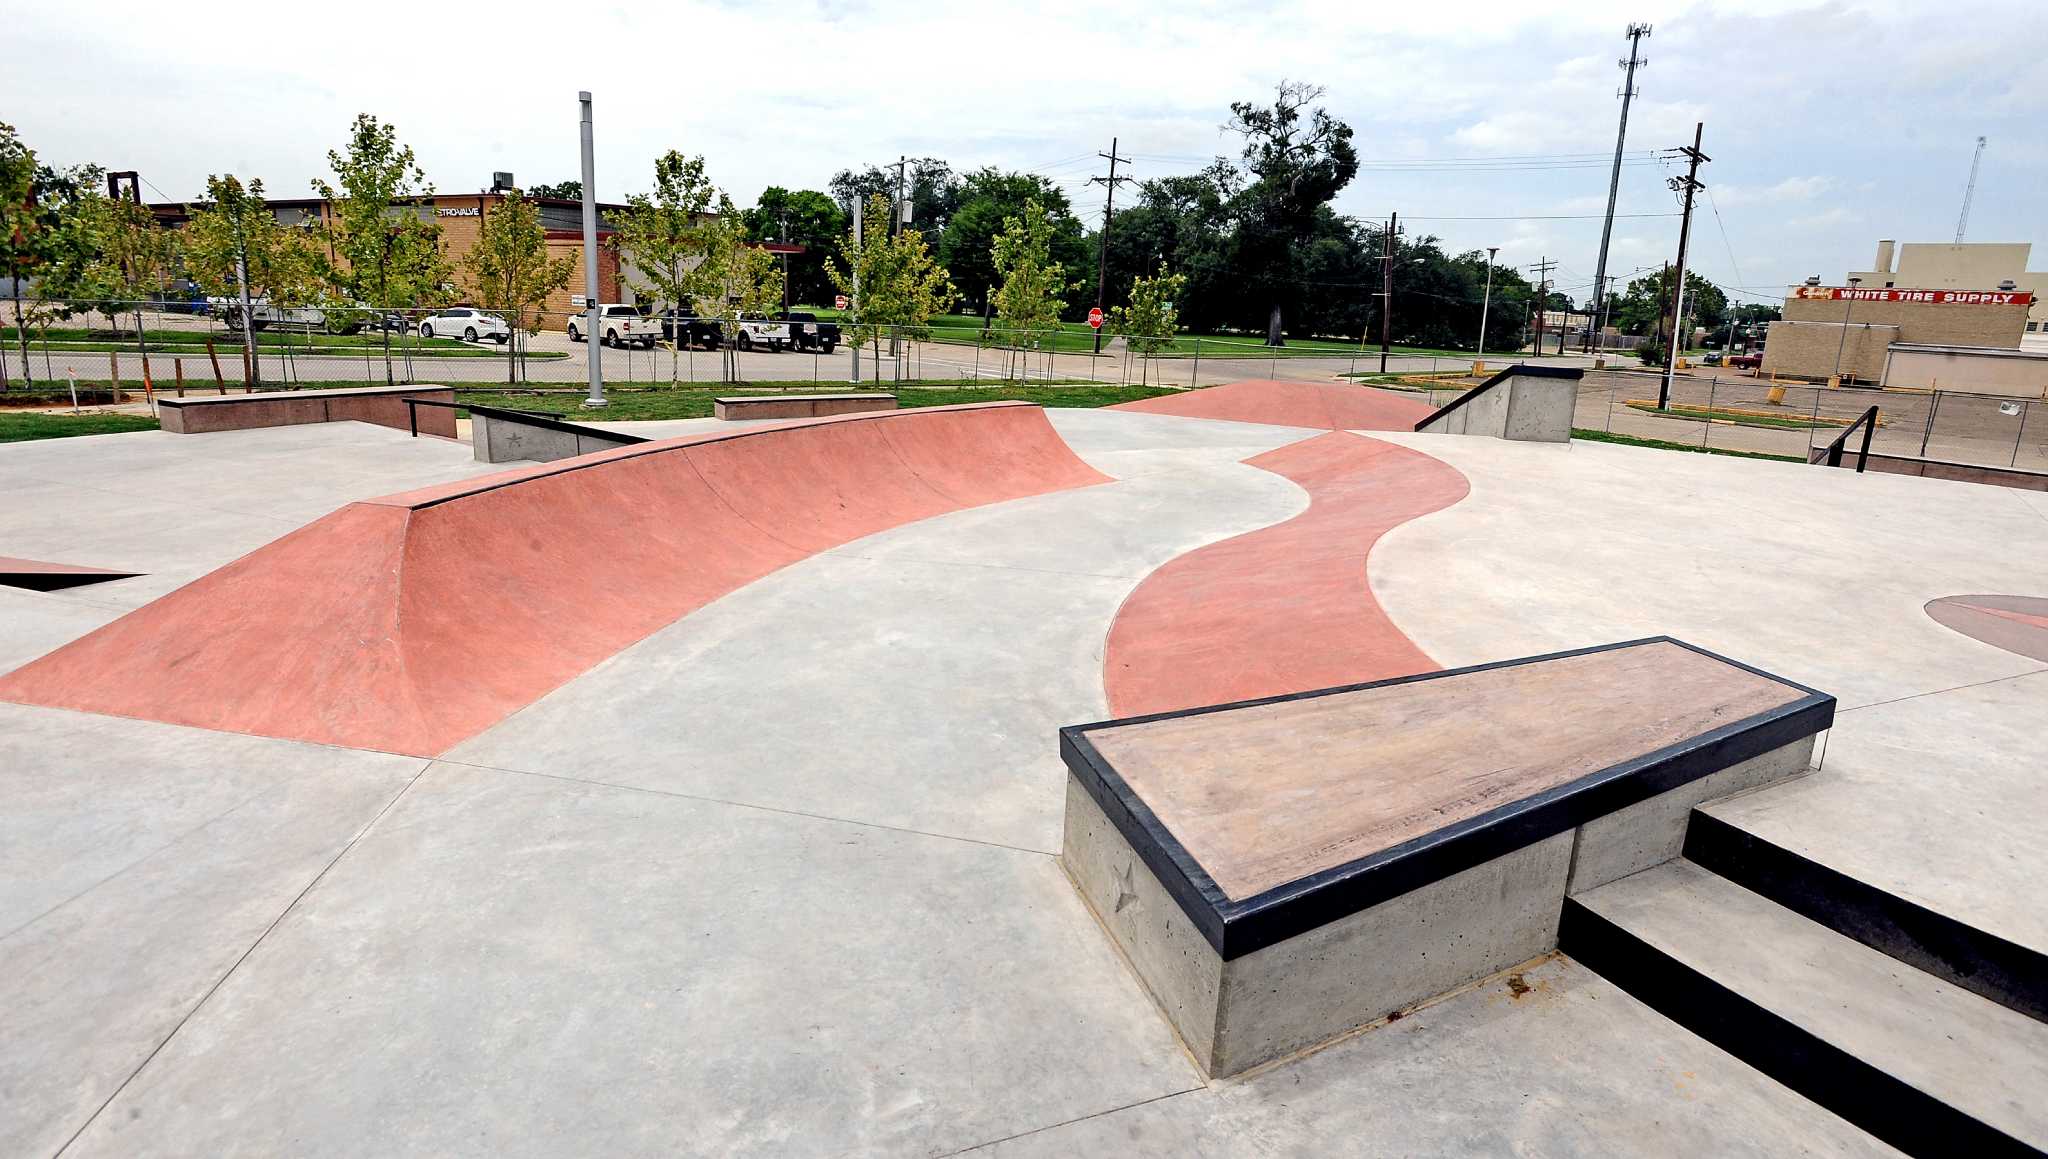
{"type": "Point", "coordinates": [839, 303]}
{"type": "Point", "coordinates": [1095, 317]}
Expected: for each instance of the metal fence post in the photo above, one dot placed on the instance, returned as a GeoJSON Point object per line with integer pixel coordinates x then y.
{"type": "Point", "coordinates": [1195, 378]}
{"type": "Point", "coordinates": [2019, 434]}
{"type": "Point", "coordinates": [1928, 432]}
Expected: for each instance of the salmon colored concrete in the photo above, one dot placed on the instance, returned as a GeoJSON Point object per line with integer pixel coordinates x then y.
{"type": "Point", "coordinates": [412, 622]}
{"type": "Point", "coordinates": [1327, 406]}
{"type": "Point", "coordinates": [1285, 608]}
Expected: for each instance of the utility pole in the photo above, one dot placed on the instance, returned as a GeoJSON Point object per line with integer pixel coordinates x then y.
{"type": "Point", "coordinates": [1486, 302]}
{"type": "Point", "coordinates": [860, 213]}
{"type": "Point", "coordinates": [593, 344]}
{"type": "Point", "coordinates": [1387, 291]}
{"type": "Point", "coordinates": [1689, 184]}
{"type": "Point", "coordinates": [1109, 185]}
{"type": "Point", "coordinates": [1542, 267]}
{"type": "Point", "coordinates": [896, 216]}
{"type": "Point", "coordinates": [1636, 33]}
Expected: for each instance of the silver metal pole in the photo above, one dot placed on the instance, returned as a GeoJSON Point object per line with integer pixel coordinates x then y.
{"type": "Point", "coordinates": [593, 338]}
{"type": "Point", "coordinates": [860, 212]}
{"type": "Point", "coordinates": [1848, 309]}
{"type": "Point", "coordinates": [1487, 301]}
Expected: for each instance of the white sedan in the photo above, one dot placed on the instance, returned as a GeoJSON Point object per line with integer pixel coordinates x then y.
{"type": "Point", "coordinates": [470, 325]}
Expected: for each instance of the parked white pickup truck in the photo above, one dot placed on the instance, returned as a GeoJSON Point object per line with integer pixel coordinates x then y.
{"type": "Point", "coordinates": [758, 332]}
{"type": "Point", "coordinates": [622, 326]}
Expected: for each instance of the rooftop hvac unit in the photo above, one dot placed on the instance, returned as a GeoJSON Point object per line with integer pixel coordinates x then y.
{"type": "Point", "coordinates": [500, 182]}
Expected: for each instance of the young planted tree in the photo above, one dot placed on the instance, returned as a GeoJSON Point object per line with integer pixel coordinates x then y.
{"type": "Point", "coordinates": [236, 248]}
{"type": "Point", "coordinates": [1031, 288]}
{"type": "Point", "coordinates": [23, 232]}
{"type": "Point", "coordinates": [1149, 323]}
{"type": "Point", "coordinates": [666, 235]}
{"type": "Point", "coordinates": [894, 284]}
{"type": "Point", "coordinates": [735, 279]}
{"type": "Point", "coordinates": [384, 255]}
{"type": "Point", "coordinates": [129, 257]}
{"type": "Point", "coordinates": [508, 270]}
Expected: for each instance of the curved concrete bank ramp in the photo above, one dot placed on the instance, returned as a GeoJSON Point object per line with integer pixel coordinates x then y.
{"type": "Point", "coordinates": [1327, 406]}
{"type": "Point", "coordinates": [1285, 608]}
{"type": "Point", "coordinates": [410, 622]}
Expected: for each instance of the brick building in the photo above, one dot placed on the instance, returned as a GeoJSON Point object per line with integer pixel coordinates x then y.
{"type": "Point", "coordinates": [461, 217]}
{"type": "Point", "coordinates": [1859, 324]}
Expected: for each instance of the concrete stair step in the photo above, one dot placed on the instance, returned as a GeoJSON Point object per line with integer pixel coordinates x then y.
{"type": "Point", "coordinates": [1981, 962]}
{"type": "Point", "coordinates": [1909, 1057]}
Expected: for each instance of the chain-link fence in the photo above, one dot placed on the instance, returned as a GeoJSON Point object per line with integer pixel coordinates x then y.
{"type": "Point", "coordinates": [199, 346]}
{"type": "Point", "coordinates": [1793, 420]}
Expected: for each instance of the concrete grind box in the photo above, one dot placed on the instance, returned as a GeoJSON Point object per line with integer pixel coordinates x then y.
{"type": "Point", "coordinates": [1281, 871]}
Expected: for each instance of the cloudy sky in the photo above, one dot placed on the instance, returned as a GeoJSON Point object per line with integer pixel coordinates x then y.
{"type": "Point", "coordinates": [1830, 124]}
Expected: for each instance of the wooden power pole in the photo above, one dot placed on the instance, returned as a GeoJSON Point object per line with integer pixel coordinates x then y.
{"type": "Point", "coordinates": [1109, 185]}
{"type": "Point", "coordinates": [1687, 185]}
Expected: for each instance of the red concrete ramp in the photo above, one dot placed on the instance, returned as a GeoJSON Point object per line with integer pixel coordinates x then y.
{"type": "Point", "coordinates": [1327, 406]}
{"type": "Point", "coordinates": [1286, 608]}
{"type": "Point", "coordinates": [412, 622]}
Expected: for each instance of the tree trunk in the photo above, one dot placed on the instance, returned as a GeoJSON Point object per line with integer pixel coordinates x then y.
{"type": "Point", "coordinates": [1273, 328]}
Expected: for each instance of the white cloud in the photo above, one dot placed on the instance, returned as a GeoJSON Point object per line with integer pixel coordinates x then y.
{"type": "Point", "coordinates": [1790, 189]}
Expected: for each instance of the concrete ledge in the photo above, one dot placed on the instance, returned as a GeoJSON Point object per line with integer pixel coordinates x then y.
{"type": "Point", "coordinates": [2015, 477]}
{"type": "Point", "coordinates": [382, 405]}
{"type": "Point", "coordinates": [1281, 871]}
{"type": "Point", "coordinates": [1524, 403]}
{"type": "Point", "coordinates": [502, 436]}
{"type": "Point", "coordinates": [798, 406]}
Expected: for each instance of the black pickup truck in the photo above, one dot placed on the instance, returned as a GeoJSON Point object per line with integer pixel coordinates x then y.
{"type": "Point", "coordinates": [807, 333]}
{"type": "Point", "coordinates": [701, 332]}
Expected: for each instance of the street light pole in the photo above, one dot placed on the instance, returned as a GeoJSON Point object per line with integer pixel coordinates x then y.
{"type": "Point", "coordinates": [1848, 308]}
{"type": "Point", "coordinates": [593, 338]}
{"type": "Point", "coordinates": [1387, 291]}
{"type": "Point", "coordinates": [1486, 302]}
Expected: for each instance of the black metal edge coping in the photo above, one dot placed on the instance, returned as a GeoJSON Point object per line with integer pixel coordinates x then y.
{"type": "Point", "coordinates": [491, 483]}
{"type": "Point", "coordinates": [1865, 1095]}
{"type": "Point", "coordinates": [2012, 975]}
{"type": "Point", "coordinates": [1519, 368]}
{"type": "Point", "coordinates": [1236, 928]}
{"type": "Point", "coordinates": [541, 419]}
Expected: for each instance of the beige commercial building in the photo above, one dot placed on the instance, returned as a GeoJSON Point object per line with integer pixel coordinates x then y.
{"type": "Point", "coordinates": [1959, 266]}
{"type": "Point", "coordinates": [1976, 370]}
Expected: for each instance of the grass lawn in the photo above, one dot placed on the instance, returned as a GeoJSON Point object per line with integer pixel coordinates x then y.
{"type": "Point", "coordinates": [1077, 338]}
{"type": "Point", "coordinates": [1593, 436]}
{"type": "Point", "coordinates": [21, 426]}
{"type": "Point", "coordinates": [1733, 417]}
{"type": "Point", "coordinates": [695, 403]}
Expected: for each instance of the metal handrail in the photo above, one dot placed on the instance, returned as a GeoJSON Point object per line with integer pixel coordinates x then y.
{"type": "Point", "coordinates": [547, 419]}
{"type": "Point", "coordinates": [1868, 421]}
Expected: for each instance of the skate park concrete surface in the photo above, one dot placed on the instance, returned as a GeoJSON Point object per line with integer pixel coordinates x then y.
{"type": "Point", "coordinates": [778, 875]}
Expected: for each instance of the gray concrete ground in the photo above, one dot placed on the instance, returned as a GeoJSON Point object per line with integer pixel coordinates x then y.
{"type": "Point", "coordinates": [778, 879]}
{"type": "Point", "coordinates": [1928, 780]}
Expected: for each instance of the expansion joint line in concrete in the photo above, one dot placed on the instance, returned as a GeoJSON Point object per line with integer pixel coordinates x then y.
{"type": "Point", "coordinates": [1072, 1121]}
{"type": "Point", "coordinates": [1942, 691]}
{"type": "Point", "coordinates": [293, 904]}
{"type": "Point", "coordinates": [703, 800]}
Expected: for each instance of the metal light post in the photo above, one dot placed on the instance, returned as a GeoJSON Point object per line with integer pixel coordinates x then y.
{"type": "Point", "coordinates": [1848, 309]}
{"type": "Point", "coordinates": [593, 341]}
{"type": "Point", "coordinates": [1487, 301]}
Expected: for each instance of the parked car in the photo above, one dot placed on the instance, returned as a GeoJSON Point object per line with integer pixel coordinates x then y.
{"type": "Point", "coordinates": [263, 315]}
{"type": "Point", "coordinates": [807, 333]}
{"type": "Point", "coordinates": [1749, 361]}
{"type": "Point", "coordinates": [759, 330]}
{"type": "Point", "coordinates": [623, 325]}
{"type": "Point", "coordinates": [695, 331]}
{"type": "Point", "coordinates": [469, 324]}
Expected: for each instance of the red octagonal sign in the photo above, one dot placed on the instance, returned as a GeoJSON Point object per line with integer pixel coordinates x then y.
{"type": "Point", "coordinates": [1095, 317]}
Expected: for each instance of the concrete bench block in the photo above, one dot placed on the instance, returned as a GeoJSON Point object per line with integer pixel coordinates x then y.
{"type": "Point", "coordinates": [1281, 871]}
{"type": "Point", "coordinates": [382, 405]}
{"type": "Point", "coordinates": [1523, 403]}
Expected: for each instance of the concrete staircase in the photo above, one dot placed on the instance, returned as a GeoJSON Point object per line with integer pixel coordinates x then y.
{"type": "Point", "coordinates": [1898, 1020]}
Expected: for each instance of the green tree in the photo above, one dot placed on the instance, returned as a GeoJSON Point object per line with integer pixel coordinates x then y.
{"type": "Point", "coordinates": [123, 257]}
{"type": "Point", "coordinates": [234, 246]}
{"type": "Point", "coordinates": [1645, 307]}
{"type": "Point", "coordinates": [1032, 294]}
{"type": "Point", "coordinates": [802, 217]}
{"type": "Point", "coordinates": [988, 199]}
{"type": "Point", "coordinates": [571, 190]}
{"type": "Point", "coordinates": [893, 283]}
{"type": "Point", "coordinates": [928, 184]}
{"type": "Point", "coordinates": [384, 253]}
{"type": "Point", "coordinates": [508, 270]}
{"type": "Point", "coordinates": [23, 231]}
{"type": "Point", "coordinates": [1149, 323]}
{"type": "Point", "coordinates": [734, 280]}
{"type": "Point", "coordinates": [1299, 158]}
{"type": "Point", "coordinates": [667, 235]}
{"type": "Point", "coordinates": [63, 250]}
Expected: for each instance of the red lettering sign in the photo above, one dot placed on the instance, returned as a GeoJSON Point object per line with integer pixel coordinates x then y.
{"type": "Point", "coordinates": [1931, 297]}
